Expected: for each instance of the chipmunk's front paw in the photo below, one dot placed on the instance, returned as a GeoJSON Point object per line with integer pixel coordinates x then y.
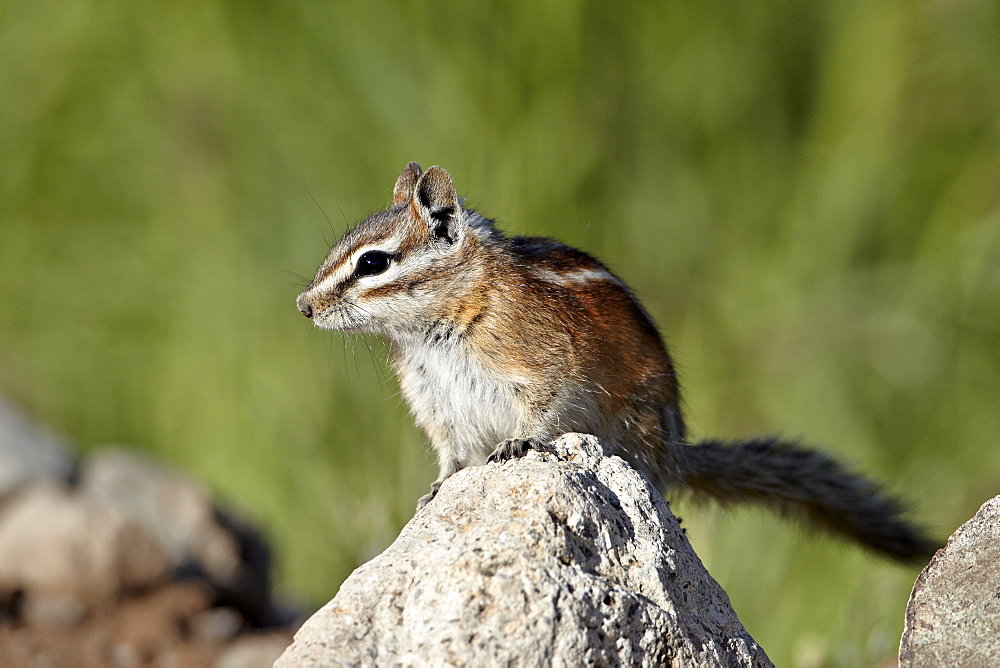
{"type": "Point", "coordinates": [515, 448]}
{"type": "Point", "coordinates": [429, 496]}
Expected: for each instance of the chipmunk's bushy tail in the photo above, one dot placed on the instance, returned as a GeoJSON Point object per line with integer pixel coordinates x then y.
{"type": "Point", "coordinates": [806, 483]}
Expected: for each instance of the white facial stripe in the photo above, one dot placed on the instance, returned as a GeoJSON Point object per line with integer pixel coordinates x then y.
{"type": "Point", "coordinates": [335, 277]}
{"type": "Point", "coordinates": [569, 279]}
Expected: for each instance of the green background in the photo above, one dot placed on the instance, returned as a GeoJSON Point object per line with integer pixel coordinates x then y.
{"type": "Point", "coordinates": [806, 196]}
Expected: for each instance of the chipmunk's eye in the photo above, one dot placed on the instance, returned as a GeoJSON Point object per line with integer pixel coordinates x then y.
{"type": "Point", "coordinates": [372, 263]}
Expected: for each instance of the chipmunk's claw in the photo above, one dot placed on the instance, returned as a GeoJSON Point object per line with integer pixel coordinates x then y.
{"type": "Point", "coordinates": [515, 448]}
{"type": "Point", "coordinates": [429, 496]}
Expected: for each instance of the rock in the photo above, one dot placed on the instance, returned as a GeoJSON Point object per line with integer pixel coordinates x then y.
{"type": "Point", "coordinates": [29, 453]}
{"type": "Point", "coordinates": [953, 616]}
{"type": "Point", "coordinates": [148, 629]}
{"type": "Point", "coordinates": [179, 513]}
{"type": "Point", "coordinates": [569, 558]}
{"type": "Point", "coordinates": [171, 507]}
{"type": "Point", "coordinates": [41, 609]}
{"type": "Point", "coordinates": [253, 651]}
{"type": "Point", "coordinates": [159, 618]}
{"type": "Point", "coordinates": [63, 548]}
{"type": "Point", "coordinates": [217, 624]}
{"type": "Point", "coordinates": [122, 562]}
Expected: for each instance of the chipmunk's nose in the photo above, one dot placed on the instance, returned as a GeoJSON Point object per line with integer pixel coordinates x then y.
{"type": "Point", "coordinates": [304, 306]}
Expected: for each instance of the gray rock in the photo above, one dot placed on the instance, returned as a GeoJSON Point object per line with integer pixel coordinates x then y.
{"type": "Point", "coordinates": [58, 546]}
{"type": "Point", "coordinates": [953, 616]}
{"type": "Point", "coordinates": [28, 452]}
{"type": "Point", "coordinates": [180, 514]}
{"type": "Point", "coordinates": [217, 624]}
{"type": "Point", "coordinates": [570, 558]}
{"type": "Point", "coordinates": [42, 609]}
{"type": "Point", "coordinates": [253, 651]}
{"type": "Point", "coordinates": [171, 507]}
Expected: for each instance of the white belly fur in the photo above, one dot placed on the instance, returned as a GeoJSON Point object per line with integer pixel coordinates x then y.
{"type": "Point", "coordinates": [465, 410]}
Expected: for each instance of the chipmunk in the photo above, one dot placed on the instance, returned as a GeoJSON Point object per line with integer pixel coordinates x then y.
{"type": "Point", "coordinates": [502, 343]}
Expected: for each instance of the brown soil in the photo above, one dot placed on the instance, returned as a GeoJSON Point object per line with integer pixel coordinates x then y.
{"type": "Point", "coordinates": [174, 625]}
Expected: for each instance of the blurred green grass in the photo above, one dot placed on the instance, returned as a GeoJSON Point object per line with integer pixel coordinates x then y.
{"type": "Point", "coordinates": [807, 198]}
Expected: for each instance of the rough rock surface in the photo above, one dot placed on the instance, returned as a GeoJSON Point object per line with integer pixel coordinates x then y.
{"type": "Point", "coordinates": [28, 452]}
{"type": "Point", "coordinates": [533, 562]}
{"type": "Point", "coordinates": [953, 617]}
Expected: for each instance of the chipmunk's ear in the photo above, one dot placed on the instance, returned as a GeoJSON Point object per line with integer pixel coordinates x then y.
{"type": "Point", "coordinates": [405, 184]}
{"type": "Point", "coordinates": [436, 202]}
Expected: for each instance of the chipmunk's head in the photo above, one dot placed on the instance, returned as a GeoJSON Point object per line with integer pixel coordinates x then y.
{"type": "Point", "coordinates": [391, 273]}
